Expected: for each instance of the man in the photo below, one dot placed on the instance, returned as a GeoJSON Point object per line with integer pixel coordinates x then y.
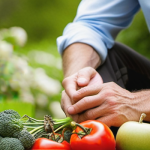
{"type": "Point", "coordinates": [104, 80]}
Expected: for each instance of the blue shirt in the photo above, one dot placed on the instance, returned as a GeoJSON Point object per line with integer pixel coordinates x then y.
{"type": "Point", "coordinates": [98, 22]}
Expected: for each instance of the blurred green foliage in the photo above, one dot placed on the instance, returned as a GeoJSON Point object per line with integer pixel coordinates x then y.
{"type": "Point", "coordinates": [40, 18]}
{"type": "Point", "coordinates": [137, 35]}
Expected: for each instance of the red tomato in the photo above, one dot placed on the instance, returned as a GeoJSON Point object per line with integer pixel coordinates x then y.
{"type": "Point", "coordinates": [44, 143]}
{"type": "Point", "coordinates": [100, 138]}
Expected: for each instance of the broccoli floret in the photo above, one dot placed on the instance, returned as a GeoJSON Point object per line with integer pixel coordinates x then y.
{"type": "Point", "coordinates": [9, 123]}
{"type": "Point", "coordinates": [26, 139]}
{"type": "Point", "coordinates": [13, 113]}
{"type": "Point", "coordinates": [10, 144]}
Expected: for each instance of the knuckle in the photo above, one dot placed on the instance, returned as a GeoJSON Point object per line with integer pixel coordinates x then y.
{"type": "Point", "coordinates": [110, 85]}
{"type": "Point", "coordinates": [66, 81]}
{"type": "Point", "coordinates": [111, 101]}
{"type": "Point", "coordinates": [108, 92]}
{"type": "Point", "coordinates": [74, 98]}
{"type": "Point", "coordinates": [80, 73]}
{"type": "Point", "coordinates": [86, 100]}
{"type": "Point", "coordinates": [82, 91]}
{"type": "Point", "coordinates": [89, 69]}
{"type": "Point", "coordinates": [113, 85]}
{"type": "Point", "coordinates": [86, 70]}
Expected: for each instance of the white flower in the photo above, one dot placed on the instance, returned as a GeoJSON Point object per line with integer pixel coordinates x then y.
{"type": "Point", "coordinates": [56, 110]}
{"type": "Point", "coordinates": [26, 96]}
{"type": "Point", "coordinates": [6, 50]}
{"type": "Point", "coordinates": [23, 73]}
{"type": "Point", "coordinates": [19, 34]}
{"type": "Point", "coordinates": [45, 58]}
{"type": "Point", "coordinates": [21, 64]}
{"type": "Point", "coordinates": [45, 83]}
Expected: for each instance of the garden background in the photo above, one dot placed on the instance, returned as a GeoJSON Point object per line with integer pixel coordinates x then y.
{"type": "Point", "coordinates": [40, 62]}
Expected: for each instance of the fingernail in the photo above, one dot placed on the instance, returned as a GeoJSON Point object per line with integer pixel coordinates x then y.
{"type": "Point", "coordinates": [70, 110]}
{"type": "Point", "coordinates": [82, 80]}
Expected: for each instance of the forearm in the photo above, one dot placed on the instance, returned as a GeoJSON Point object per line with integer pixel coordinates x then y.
{"type": "Point", "coordinates": [78, 56]}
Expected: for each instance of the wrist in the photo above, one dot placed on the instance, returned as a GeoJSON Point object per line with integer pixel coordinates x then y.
{"type": "Point", "coordinates": [78, 56]}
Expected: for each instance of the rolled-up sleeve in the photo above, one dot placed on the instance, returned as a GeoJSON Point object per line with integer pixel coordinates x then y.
{"type": "Point", "coordinates": [97, 23]}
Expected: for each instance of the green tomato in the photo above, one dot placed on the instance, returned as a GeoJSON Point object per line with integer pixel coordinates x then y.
{"type": "Point", "coordinates": [133, 136]}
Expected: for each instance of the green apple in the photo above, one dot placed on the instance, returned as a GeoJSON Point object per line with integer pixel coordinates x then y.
{"type": "Point", "coordinates": [133, 135]}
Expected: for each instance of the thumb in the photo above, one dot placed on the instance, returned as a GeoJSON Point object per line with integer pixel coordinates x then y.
{"type": "Point", "coordinates": [85, 75]}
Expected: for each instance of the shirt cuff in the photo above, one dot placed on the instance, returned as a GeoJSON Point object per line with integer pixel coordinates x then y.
{"type": "Point", "coordinates": [74, 33]}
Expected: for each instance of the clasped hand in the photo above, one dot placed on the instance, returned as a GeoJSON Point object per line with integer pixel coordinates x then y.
{"type": "Point", "coordinates": [86, 97]}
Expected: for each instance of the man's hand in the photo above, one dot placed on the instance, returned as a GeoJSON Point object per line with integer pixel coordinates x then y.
{"type": "Point", "coordinates": [106, 102]}
{"type": "Point", "coordinates": [84, 77]}
{"type": "Point", "coordinates": [87, 97]}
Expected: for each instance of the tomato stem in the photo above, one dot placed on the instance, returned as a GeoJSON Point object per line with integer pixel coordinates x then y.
{"type": "Point", "coordinates": [79, 133]}
{"type": "Point", "coordinates": [77, 124]}
{"type": "Point", "coordinates": [143, 115]}
{"type": "Point", "coordinates": [62, 127]}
